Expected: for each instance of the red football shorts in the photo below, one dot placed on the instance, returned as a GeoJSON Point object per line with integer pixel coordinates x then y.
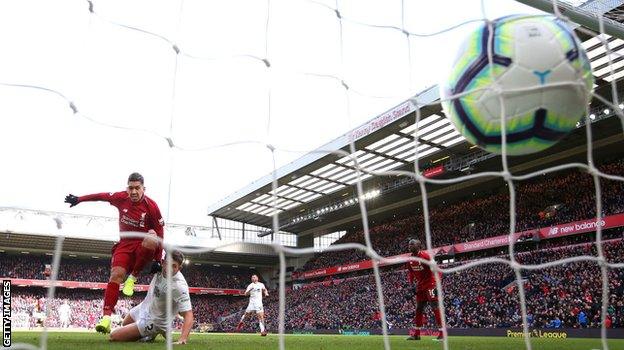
{"type": "Point", "coordinates": [124, 253]}
{"type": "Point", "coordinates": [427, 295]}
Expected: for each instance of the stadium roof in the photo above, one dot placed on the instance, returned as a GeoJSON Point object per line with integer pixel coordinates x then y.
{"type": "Point", "coordinates": [36, 231]}
{"type": "Point", "coordinates": [260, 256]}
{"type": "Point", "coordinates": [383, 143]}
{"type": "Point", "coordinates": [322, 182]}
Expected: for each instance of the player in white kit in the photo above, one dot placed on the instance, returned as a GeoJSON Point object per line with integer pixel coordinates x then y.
{"type": "Point", "coordinates": [255, 290]}
{"type": "Point", "coordinates": [64, 312]}
{"type": "Point", "coordinates": [149, 319]}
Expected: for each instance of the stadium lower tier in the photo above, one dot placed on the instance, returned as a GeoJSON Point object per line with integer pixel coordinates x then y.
{"type": "Point", "coordinates": [483, 296]}
{"type": "Point", "coordinates": [98, 270]}
{"type": "Point", "coordinates": [86, 307]}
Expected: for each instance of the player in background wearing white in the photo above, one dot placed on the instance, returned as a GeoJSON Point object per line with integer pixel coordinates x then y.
{"type": "Point", "coordinates": [149, 319]}
{"type": "Point", "coordinates": [39, 312]}
{"type": "Point", "coordinates": [255, 290]}
{"type": "Point", "coordinates": [64, 312]}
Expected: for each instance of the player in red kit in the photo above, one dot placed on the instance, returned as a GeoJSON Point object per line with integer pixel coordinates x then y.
{"type": "Point", "coordinates": [137, 213]}
{"type": "Point", "coordinates": [426, 292]}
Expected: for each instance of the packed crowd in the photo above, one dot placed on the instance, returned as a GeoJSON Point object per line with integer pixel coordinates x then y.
{"type": "Point", "coordinates": [483, 296]}
{"type": "Point", "coordinates": [98, 270]}
{"type": "Point", "coordinates": [568, 293]}
{"type": "Point", "coordinates": [540, 202]}
{"type": "Point", "coordinates": [86, 306]}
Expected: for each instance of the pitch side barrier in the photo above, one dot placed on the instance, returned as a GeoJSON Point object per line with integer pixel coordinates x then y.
{"type": "Point", "coordinates": [550, 333]}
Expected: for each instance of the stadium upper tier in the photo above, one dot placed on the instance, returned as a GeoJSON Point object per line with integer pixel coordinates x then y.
{"type": "Point", "coordinates": [541, 202]}
{"type": "Point", "coordinates": [316, 194]}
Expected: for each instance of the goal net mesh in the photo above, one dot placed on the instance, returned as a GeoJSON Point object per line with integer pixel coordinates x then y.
{"type": "Point", "coordinates": [261, 63]}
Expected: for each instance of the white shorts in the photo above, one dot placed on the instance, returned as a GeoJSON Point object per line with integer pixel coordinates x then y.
{"type": "Point", "coordinates": [147, 327]}
{"type": "Point", "coordinates": [254, 307]}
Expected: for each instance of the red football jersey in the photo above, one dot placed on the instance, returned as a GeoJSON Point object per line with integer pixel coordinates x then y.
{"type": "Point", "coordinates": [141, 216]}
{"type": "Point", "coordinates": [421, 273]}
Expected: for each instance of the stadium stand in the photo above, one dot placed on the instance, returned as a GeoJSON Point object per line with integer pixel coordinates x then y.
{"type": "Point", "coordinates": [540, 203]}
{"type": "Point", "coordinates": [536, 245]}
{"type": "Point", "coordinates": [86, 306]}
{"type": "Point", "coordinates": [98, 270]}
{"type": "Point", "coordinates": [482, 297]}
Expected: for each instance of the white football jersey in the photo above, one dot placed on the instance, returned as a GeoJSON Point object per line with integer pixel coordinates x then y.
{"type": "Point", "coordinates": [64, 310]}
{"type": "Point", "coordinates": [255, 292]}
{"type": "Point", "coordinates": [156, 298]}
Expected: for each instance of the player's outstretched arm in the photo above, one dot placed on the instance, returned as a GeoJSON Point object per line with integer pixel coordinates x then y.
{"type": "Point", "coordinates": [186, 327]}
{"type": "Point", "coordinates": [109, 197]}
{"type": "Point", "coordinates": [265, 291]}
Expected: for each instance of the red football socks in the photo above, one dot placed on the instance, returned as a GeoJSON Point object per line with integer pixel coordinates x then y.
{"type": "Point", "coordinates": [419, 319]}
{"type": "Point", "coordinates": [110, 297]}
{"type": "Point", "coordinates": [438, 317]}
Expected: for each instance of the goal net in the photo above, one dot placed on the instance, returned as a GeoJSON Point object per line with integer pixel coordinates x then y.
{"type": "Point", "coordinates": [294, 67]}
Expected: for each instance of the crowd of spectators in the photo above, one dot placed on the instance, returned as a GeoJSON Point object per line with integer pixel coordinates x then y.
{"type": "Point", "coordinates": [484, 296]}
{"type": "Point", "coordinates": [481, 296]}
{"type": "Point", "coordinates": [540, 202]}
{"type": "Point", "coordinates": [98, 270]}
{"type": "Point", "coordinates": [560, 296]}
{"type": "Point", "coordinates": [86, 306]}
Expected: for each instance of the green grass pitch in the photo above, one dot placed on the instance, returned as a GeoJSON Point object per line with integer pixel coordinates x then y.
{"type": "Point", "coordinates": [220, 341]}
